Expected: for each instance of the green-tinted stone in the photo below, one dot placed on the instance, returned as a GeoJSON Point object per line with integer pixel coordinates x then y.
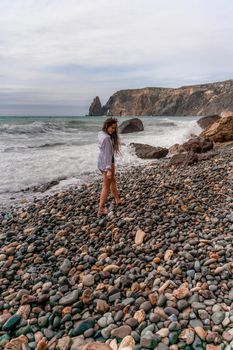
{"type": "Point", "coordinates": [173, 338]}
{"type": "Point", "coordinates": [48, 333]}
{"type": "Point", "coordinates": [82, 327]}
{"type": "Point", "coordinates": [142, 326]}
{"type": "Point", "coordinates": [30, 337]}
{"type": "Point", "coordinates": [32, 345]}
{"type": "Point", "coordinates": [150, 340]}
{"type": "Point", "coordinates": [4, 339]}
{"type": "Point", "coordinates": [66, 318]}
{"type": "Point", "coordinates": [11, 322]}
{"type": "Point", "coordinates": [23, 330]}
{"type": "Point", "coordinates": [50, 319]}
{"type": "Point", "coordinates": [35, 328]}
{"type": "Point", "coordinates": [43, 321]}
{"type": "Point", "coordinates": [197, 344]}
{"type": "Point", "coordinates": [136, 336]}
{"type": "Point", "coordinates": [56, 322]}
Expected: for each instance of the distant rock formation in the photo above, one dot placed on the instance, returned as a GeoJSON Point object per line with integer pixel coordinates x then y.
{"type": "Point", "coordinates": [131, 125]}
{"type": "Point", "coordinates": [203, 100]}
{"type": "Point", "coordinates": [96, 107]}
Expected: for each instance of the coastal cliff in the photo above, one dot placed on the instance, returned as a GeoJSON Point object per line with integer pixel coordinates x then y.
{"type": "Point", "coordinates": [205, 99]}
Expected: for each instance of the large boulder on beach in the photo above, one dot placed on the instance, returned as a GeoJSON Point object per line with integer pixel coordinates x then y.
{"type": "Point", "coordinates": [206, 122]}
{"type": "Point", "coordinates": [131, 125]}
{"type": "Point", "coordinates": [187, 158]}
{"type": "Point", "coordinates": [222, 130]}
{"type": "Point", "coordinates": [149, 152]}
{"type": "Point", "coordinates": [198, 145]}
{"type": "Point", "coordinates": [96, 107]}
{"type": "Point", "coordinates": [176, 148]}
{"type": "Point", "coordinates": [195, 144]}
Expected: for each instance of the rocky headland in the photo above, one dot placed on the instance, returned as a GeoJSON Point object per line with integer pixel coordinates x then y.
{"type": "Point", "coordinates": [155, 273]}
{"type": "Point", "coordinates": [205, 99]}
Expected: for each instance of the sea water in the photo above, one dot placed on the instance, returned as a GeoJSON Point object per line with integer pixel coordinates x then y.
{"type": "Point", "coordinates": [37, 150]}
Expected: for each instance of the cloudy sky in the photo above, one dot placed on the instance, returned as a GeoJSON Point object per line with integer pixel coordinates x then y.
{"type": "Point", "coordinates": [56, 55]}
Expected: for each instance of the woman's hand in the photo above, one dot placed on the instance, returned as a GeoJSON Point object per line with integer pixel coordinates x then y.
{"type": "Point", "coordinates": [109, 174]}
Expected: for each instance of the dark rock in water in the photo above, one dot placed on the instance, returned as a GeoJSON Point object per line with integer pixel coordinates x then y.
{"type": "Point", "coordinates": [198, 145]}
{"type": "Point", "coordinates": [206, 122]}
{"type": "Point", "coordinates": [96, 107]}
{"type": "Point", "coordinates": [149, 152]}
{"type": "Point", "coordinates": [131, 125]}
{"type": "Point", "coordinates": [188, 158]}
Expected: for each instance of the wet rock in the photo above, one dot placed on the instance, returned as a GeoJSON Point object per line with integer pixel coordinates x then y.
{"type": "Point", "coordinates": [206, 122]}
{"type": "Point", "coordinates": [198, 145]}
{"type": "Point", "coordinates": [149, 152]}
{"type": "Point", "coordinates": [131, 125]}
{"type": "Point", "coordinates": [221, 130]}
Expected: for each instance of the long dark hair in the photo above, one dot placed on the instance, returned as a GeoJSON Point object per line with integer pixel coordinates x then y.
{"type": "Point", "coordinates": [115, 138]}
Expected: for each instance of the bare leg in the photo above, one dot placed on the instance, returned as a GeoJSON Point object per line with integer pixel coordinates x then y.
{"type": "Point", "coordinates": [113, 186]}
{"type": "Point", "coordinates": [104, 193]}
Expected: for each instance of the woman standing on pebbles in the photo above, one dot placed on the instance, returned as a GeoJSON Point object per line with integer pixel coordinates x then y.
{"type": "Point", "coordinates": [109, 146]}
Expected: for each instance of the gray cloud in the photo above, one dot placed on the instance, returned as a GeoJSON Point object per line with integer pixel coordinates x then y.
{"type": "Point", "coordinates": [64, 52]}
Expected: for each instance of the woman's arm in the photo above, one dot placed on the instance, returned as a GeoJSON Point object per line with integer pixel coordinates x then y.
{"type": "Point", "coordinates": [108, 153]}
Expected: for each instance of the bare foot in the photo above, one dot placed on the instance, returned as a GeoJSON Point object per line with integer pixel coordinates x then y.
{"type": "Point", "coordinates": [102, 211]}
{"type": "Point", "coordinates": [120, 201]}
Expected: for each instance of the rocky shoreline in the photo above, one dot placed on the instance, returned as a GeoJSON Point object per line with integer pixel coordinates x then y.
{"type": "Point", "coordinates": [156, 273]}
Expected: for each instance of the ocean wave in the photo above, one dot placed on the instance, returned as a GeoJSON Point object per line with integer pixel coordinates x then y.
{"type": "Point", "coordinates": [31, 128]}
{"type": "Point", "coordinates": [45, 145]}
{"type": "Point", "coordinates": [165, 124]}
{"type": "Point", "coordinates": [74, 123]}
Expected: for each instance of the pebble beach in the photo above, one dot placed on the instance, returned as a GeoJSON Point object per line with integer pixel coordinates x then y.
{"type": "Point", "coordinates": [156, 273]}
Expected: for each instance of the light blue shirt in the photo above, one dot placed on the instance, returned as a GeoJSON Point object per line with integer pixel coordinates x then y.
{"type": "Point", "coordinates": [106, 151]}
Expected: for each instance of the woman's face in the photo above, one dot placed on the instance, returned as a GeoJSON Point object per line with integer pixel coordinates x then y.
{"type": "Point", "coordinates": [111, 129]}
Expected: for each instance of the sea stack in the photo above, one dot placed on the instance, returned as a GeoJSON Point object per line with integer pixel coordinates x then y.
{"type": "Point", "coordinates": [96, 107]}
